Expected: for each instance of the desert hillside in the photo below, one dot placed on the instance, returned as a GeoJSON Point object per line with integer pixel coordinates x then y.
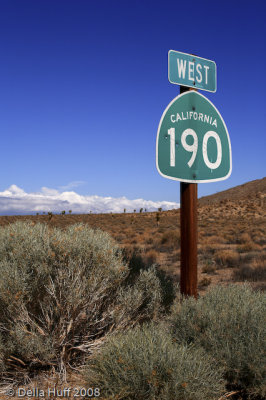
{"type": "Point", "coordinates": [252, 189]}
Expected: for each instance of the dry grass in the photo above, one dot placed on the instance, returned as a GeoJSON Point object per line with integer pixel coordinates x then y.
{"type": "Point", "coordinates": [245, 238]}
{"type": "Point", "coordinates": [249, 246]}
{"type": "Point", "coordinates": [151, 257]}
{"type": "Point", "coordinates": [170, 239]}
{"type": "Point", "coordinates": [247, 273]}
{"type": "Point", "coordinates": [253, 272]}
{"type": "Point", "coordinates": [227, 258]}
{"type": "Point", "coordinates": [209, 268]}
{"type": "Point", "coordinates": [204, 282]}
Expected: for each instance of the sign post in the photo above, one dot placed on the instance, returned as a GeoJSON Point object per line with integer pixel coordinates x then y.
{"type": "Point", "coordinates": [192, 146]}
{"type": "Point", "coordinates": [189, 235]}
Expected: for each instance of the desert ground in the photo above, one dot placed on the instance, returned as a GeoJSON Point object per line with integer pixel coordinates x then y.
{"type": "Point", "coordinates": [231, 239]}
{"type": "Point", "coordinates": [231, 235]}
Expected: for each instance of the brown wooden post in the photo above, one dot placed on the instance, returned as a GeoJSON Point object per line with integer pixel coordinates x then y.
{"type": "Point", "coordinates": [189, 235]}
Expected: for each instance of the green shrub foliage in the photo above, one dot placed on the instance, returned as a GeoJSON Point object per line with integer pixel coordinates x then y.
{"type": "Point", "coordinates": [63, 292]}
{"type": "Point", "coordinates": [136, 264]}
{"type": "Point", "coordinates": [145, 363]}
{"type": "Point", "coordinates": [229, 323]}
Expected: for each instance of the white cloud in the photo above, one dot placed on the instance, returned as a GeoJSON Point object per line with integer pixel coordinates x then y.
{"type": "Point", "coordinates": [13, 190]}
{"type": "Point", "coordinates": [49, 192]}
{"type": "Point", "coordinates": [72, 185]}
{"type": "Point", "coordinates": [15, 201]}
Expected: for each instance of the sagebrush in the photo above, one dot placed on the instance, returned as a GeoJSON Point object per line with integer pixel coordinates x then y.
{"type": "Point", "coordinates": [229, 324]}
{"type": "Point", "coordinates": [63, 292]}
{"type": "Point", "coordinates": [144, 363]}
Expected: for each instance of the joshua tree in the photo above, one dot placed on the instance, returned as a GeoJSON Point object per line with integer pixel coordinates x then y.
{"type": "Point", "coordinates": [134, 211]}
{"type": "Point", "coordinates": [125, 210]}
{"type": "Point", "coordinates": [158, 218]}
{"type": "Point", "coordinates": [70, 211]}
{"type": "Point", "coordinates": [160, 209]}
{"type": "Point", "coordinates": [141, 209]}
{"type": "Point", "coordinates": [145, 209]}
{"type": "Point", "coordinates": [63, 212]}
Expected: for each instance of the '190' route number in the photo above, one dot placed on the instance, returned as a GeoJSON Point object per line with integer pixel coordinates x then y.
{"type": "Point", "coordinates": [193, 148]}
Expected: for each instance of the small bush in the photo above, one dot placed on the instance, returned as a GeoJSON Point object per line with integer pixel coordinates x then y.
{"type": "Point", "coordinates": [227, 258]}
{"type": "Point", "coordinates": [209, 268]}
{"type": "Point", "coordinates": [145, 364]}
{"type": "Point", "coordinates": [244, 238]}
{"type": "Point", "coordinates": [171, 238]}
{"type": "Point", "coordinates": [213, 239]}
{"type": "Point", "coordinates": [149, 240]}
{"type": "Point", "coordinates": [229, 323]}
{"type": "Point", "coordinates": [249, 246]}
{"type": "Point", "coordinates": [247, 273]}
{"type": "Point", "coordinates": [204, 282]}
{"type": "Point", "coordinates": [208, 264]}
{"type": "Point", "coordinates": [137, 263]}
{"type": "Point", "coordinates": [151, 257]}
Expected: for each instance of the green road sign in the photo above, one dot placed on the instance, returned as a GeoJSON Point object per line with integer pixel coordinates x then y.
{"type": "Point", "coordinates": [188, 70]}
{"type": "Point", "coordinates": [192, 142]}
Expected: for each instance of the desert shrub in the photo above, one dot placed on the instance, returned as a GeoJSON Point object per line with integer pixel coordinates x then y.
{"type": "Point", "coordinates": [260, 260]}
{"type": "Point", "coordinates": [146, 364]}
{"type": "Point", "coordinates": [249, 246]}
{"type": "Point", "coordinates": [208, 264]}
{"type": "Point", "coordinates": [62, 292]}
{"type": "Point", "coordinates": [248, 258]}
{"type": "Point", "coordinates": [204, 282]}
{"type": "Point", "coordinates": [244, 238]}
{"type": "Point", "coordinates": [247, 273]}
{"type": "Point", "coordinates": [260, 238]}
{"type": "Point", "coordinates": [149, 240]}
{"type": "Point", "coordinates": [229, 323]}
{"type": "Point", "coordinates": [227, 258]}
{"type": "Point", "coordinates": [136, 263]}
{"type": "Point", "coordinates": [230, 238]}
{"type": "Point", "coordinates": [150, 257]}
{"type": "Point", "coordinates": [209, 268]}
{"type": "Point", "coordinates": [171, 238]}
{"type": "Point", "coordinates": [213, 239]}
{"type": "Point", "coordinates": [133, 258]}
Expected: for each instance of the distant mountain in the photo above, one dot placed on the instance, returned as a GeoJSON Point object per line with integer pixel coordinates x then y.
{"type": "Point", "coordinates": [247, 190]}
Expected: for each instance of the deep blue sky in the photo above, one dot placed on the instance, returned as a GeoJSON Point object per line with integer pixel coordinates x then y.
{"type": "Point", "coordinates": [83, 85]}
